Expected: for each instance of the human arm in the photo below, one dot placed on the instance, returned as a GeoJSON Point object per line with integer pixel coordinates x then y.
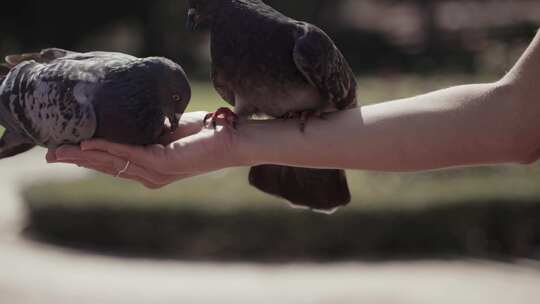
{"type": "Point", "coordinates": [190, 151]}
{"type": "Point", "coordinates": [465, 125]}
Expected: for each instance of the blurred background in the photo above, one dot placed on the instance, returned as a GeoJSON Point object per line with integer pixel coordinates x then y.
{"type": "Point", "coordinates": [470, 235]}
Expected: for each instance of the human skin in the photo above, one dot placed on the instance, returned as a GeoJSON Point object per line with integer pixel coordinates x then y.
{"type": "Point", "coordinates": [476, 124]}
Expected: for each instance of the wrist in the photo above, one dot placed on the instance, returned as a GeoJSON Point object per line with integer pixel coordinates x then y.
{"type": "Point", "coordinates": [244, 143]}
{"type": "Point", "coordinates": [524, 132]}
{"type": "Point", "coordinates": [258, 142]}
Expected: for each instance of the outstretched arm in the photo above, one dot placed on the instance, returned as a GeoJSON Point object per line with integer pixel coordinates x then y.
{"type": "Point", "coordinates": [465, 125]}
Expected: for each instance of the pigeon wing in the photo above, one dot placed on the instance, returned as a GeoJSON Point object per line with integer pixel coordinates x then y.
{"type": "Point", "coordinates": [324, 66]}
{"type": "Point", "coordinates": [45, 56]}
{"type": "Point", "coordinates": [12, 144]}
{"type": "Point", "coordinates": [53, 104]}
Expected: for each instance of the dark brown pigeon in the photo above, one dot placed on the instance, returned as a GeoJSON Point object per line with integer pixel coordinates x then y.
{"type": "Point", "coordinates": [58, 97]}
{"type": "Point", "coordinates": [264, 62]}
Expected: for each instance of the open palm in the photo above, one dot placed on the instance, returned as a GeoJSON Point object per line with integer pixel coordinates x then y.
{"type": "Point", "coordinates": [192, 150]}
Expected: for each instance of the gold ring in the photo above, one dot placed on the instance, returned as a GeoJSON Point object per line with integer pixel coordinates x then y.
{"type": "Point", "coordinates": [124, 170]}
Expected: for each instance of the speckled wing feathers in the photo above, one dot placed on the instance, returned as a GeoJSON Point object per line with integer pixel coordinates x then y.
{"type": "Point", "coordinates": [47, 101]}
{"type": "Point", "coordinates": [12, 144]}
{"type": "Point", "coordinates": [56, 104]}
{"type": "Point", "coordinates": [58, 97]}
{"type": "Point", "coordinates": [324, 67]}
{"type": "Point", "coordinates": [4, 70]}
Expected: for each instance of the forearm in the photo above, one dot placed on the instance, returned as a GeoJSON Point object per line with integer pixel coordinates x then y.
{"type": "Point", "coordinates": [459, 126]}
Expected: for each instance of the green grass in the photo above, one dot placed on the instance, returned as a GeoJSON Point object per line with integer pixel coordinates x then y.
{"type": "Point", "coordinates": [229, 189]}
{"type": "Point", "coordinates": [481, 213]}
{"type": "Point", "coordinates": [204, 98]}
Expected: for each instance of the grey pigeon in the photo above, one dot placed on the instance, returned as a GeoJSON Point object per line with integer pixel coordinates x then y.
{"type": "Point", "coordinates": [264, 62]}
{"type": "Point", "coordinates": [58, 97]}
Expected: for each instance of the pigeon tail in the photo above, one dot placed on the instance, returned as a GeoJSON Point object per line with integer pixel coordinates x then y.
{"type": "Point", "coordinates": [316, 189]}
{"type": "Point", "coordinates": [12, 144]}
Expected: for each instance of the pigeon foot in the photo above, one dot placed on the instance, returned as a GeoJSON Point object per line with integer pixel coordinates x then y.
{"type": "Point", "coordinates": [223, 115]}
{"type": "Point", "coordinates": [305, 117]}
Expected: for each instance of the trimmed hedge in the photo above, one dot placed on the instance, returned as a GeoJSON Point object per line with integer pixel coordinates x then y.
{"type": "Point", "coordinates": [481, 212]}
{"type": "Point", "coordinates": [481, 230]}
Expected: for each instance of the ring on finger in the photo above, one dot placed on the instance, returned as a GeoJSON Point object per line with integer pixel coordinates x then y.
{"type": "Point", "coordinates": [124, 170]}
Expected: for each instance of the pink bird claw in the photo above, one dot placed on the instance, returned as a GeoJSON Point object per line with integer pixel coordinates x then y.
{"type": "Point", "coordinates": [223, 115]}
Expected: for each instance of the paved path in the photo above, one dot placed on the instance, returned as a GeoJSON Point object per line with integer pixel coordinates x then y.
{"type": "Point", "coordinates": [34, 273]}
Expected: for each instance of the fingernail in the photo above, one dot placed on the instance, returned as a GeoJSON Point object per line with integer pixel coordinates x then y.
{"type": "Point", "coordinates": [67, 160]}
{"type": "Point", "coordinates": [86, 145]}
{"type": "Point", "coordinates": [61, 158]}
{"type": "Point", "coordinates": [61, 149]}
{"type": "Point", "coordinates": [63, 154]}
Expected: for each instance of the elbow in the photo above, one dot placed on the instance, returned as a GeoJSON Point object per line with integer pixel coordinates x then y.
{"type": "Point", "coordinates": [526, 151]}
{"type": "Point", "coordinates": [533, 158]}
{"type": "Point", "coordinates": [522, 139]}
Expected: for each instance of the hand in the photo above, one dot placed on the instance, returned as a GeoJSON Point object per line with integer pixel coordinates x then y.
{"type": "Point", "coordinates": [192, 150]}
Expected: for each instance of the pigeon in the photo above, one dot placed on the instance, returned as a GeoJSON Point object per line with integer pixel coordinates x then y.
{"type": "Point", "coordinates": [265, 63]}
{"type": "Point", "coordinates": [58, 97]}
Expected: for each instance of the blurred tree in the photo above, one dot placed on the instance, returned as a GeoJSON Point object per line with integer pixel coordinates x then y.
{"type": "Point", "coordinates": [320, 12]}
{"type": "Point", "coordinates": [156, 27]}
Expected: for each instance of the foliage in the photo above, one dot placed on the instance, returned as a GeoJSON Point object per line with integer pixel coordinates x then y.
{"type": "Point", "coordinates": [412, 42]}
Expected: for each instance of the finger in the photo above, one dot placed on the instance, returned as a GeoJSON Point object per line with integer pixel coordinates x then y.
{"type": "Point", "coordinates": [82, 164]}
{"type": "Point", "coordinates": [65, 153]}
{"type": "Point", "coordinates": [108, 171]}
{"type": "Point", "coordinates": [134, 172]}
{"type": "Point", "coordinates": [96, 159]}
{"type": "Point", "coordinates": [193, 119]}
{"type": "Point", "coordinates": [135, 154]}
{"type": "Point", "coordinates": [112, 165]}
{"type": "Point", "coordinates": [51, 156]}
{"type": "Point", "coordinates": [169, 137]}
{"type": "Point", "coordinates": [191, 123]}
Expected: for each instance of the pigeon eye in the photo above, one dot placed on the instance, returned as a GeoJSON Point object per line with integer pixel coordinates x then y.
{"type": "Point", "coordinates": [176, 98]}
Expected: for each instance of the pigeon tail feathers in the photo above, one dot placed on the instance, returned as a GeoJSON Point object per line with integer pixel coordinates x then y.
{"type": "Point", "coordinates": [315, 189]}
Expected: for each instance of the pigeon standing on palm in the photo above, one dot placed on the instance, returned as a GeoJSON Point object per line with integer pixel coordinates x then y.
{"type": "Point", "coordinates": [264, 62]}
{"type": "Point", "coordinates": [58, 97]}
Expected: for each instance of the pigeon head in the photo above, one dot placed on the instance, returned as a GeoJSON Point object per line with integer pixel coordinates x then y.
{"type": "Point", "coordinates": [157, 81]}
{"type": "Point", "coordinates": [148, 86]}
{"type": "Point", "coordinates": [201, 12]}
{"type": "Point", "coordinates": [175, 92]}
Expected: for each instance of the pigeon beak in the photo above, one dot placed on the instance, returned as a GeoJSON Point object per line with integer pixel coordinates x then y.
{"type": "Point", "coordinates": [192, 19]}
{"type": "Point", "coordinates": [175, 121]}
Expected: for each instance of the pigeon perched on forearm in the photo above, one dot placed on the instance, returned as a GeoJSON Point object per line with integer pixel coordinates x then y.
{"type": "Point", "coordinates": [266, 63]}
{"type": "Point", "coordinates": [58, 97]}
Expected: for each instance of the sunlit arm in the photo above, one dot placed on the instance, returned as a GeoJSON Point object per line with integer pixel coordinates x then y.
{"type": "Point", "coordinates": [465, 125]}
